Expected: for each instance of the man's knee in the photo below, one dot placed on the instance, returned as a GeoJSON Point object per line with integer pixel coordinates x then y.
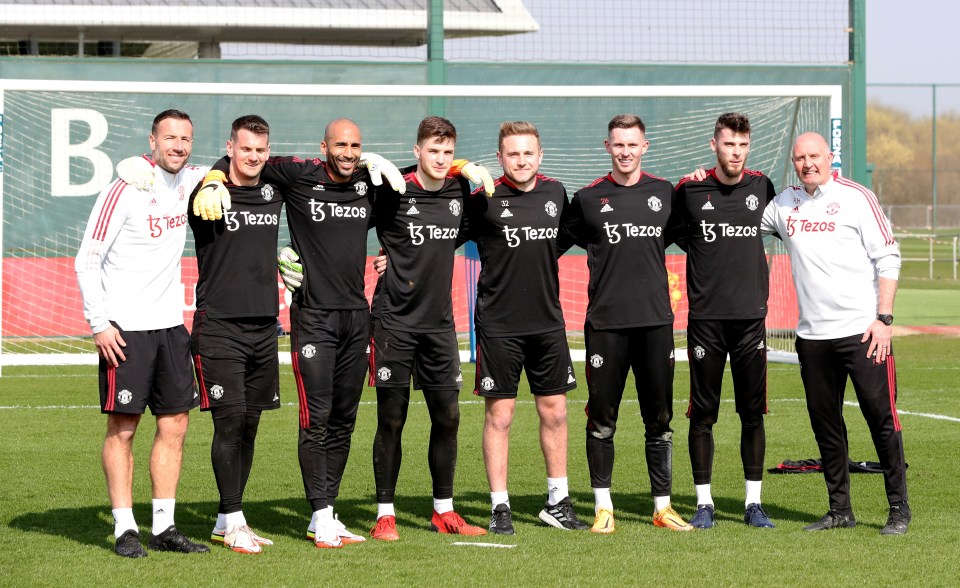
{"type": "Point", "coordinates": [600, 431]}
{"type": "Point", "coordinates": [552, 411]}
{"type": "Point", "coordinates": [751, 421]}
{"type": "Point", "coordinates": [498, 413]}
{"type": "Point", "coordinates": [173, 426]}
{"type": "Point", "coordinates": [122, 427]}
{"type": "Point", "coordinates": [702, 422]}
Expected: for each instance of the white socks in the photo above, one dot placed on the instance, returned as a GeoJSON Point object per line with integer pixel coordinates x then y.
{"type": "Point", "coordinates": [660, 503]}
{"type": "Point", "coordinates": [753, 492]}
{"type": "Point", "coordinates": [703, 494]}
{"type": "Point", "coordinates": [163, 514]}
{"type": "Point", "coordinates": [601, 498]}
{"type": "Point", "coordinates": [384, 509]}
{"type": "Point", "coordinates": [442, 505]}
{"type": "Point", "coordinates": [557, 490]}
{"type": "Point", "coordinates": [123, 521]}
{"type": "Point", "coordinates": [499, 497]}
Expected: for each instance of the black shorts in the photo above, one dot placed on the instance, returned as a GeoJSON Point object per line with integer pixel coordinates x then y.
{"type": "Point", "coordinates": [545, 357]}
{"type": "Point", "coordinates": [236, 362]}
{"type": "Point", "coordinates": [157, 373]}
{"type": "Point", "coordinates": [708, 343]}
{"type": "Point", "coordinates": [433, 359]}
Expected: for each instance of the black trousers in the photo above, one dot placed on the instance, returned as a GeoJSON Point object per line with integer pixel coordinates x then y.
{"type": "Point", "coordinates": [824, 368]}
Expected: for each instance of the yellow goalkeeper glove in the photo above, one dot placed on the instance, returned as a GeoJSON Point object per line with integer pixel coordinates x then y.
{"type": "Point", "coordinates": [379, 167]}
{"type": "Point", "coordinates": [138, 172]}
{"type": "Point", "coordinates": [291, 272]}
{"type": "Point", "coordinates": [474, 172]}
{"type": "Point", "coordinates": [213, 198]}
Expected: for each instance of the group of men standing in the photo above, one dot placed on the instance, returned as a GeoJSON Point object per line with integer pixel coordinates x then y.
{"type": "Point", "coordinates": [128, 269]}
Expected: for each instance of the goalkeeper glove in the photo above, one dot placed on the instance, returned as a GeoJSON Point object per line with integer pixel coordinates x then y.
{"type": "Point", "coordinates": [213, 198]}
{"type": "Point", "coordinates": [138, 172]}
{"type": "Point", "coordinates": [474, 172]}
{"type": "Point", "coordinates": [290, 271]}
{"type": "Point", "coordinates": [378, 167]}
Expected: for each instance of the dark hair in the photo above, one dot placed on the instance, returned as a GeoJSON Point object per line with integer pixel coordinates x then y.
{"type": "Point", "coordinates": [736, 122]}
{"type": "Point", "coordinates": [436, 127]}
{"type": "Point", "coordinates": [249, 122]}
{"type": "Point", "coordinates": [626, 121]}
{"type": "Point", "coordinates": [171, 113]}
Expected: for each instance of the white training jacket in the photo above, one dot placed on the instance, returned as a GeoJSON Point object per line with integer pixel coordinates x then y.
{"type": "Point", "coordinates": [839, 243]}
{"type": "Point", "coordinates": [128, 265]}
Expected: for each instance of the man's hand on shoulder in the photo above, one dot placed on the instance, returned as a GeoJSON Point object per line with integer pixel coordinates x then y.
{"type": "Point", "coordinates": [474, 172]}
{"type": "Point", "coordinates": [213, 198]}
{"type": "Point", "coordinates": [380, 167]}
{"type": "Point", "coordinates": [138, 172]}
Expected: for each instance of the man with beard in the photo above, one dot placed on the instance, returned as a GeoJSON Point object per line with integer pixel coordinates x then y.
{"type": "Point", "coordinates": [727, 286]}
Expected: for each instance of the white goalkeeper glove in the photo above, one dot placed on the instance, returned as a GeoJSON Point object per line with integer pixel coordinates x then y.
{"type": "Point", "coordinates": [474, 172]}
{"type": "Point", "coordinates": [379, 166]}
{"type": "Point", "coordinates": [138, 172]}
{"type": "Point", "coordinates": [291, 272]}
{"type": "Point", "coordinates": [213, 198]}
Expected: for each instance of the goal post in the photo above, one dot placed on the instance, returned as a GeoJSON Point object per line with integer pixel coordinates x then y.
{"type": "Point", "coordinates": [60, 141]}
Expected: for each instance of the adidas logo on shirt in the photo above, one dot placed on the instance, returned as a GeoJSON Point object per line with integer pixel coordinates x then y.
{"type": "Point", "coordinates": [413, 210]}
{"type": "Point", "coordinates": [707, 206]}
{"type": "Point", "coordinates": [606, 208]}
{"type": "Point", "coordinates": [153, 202]}
{"type": "Point", "coordinates": [506, 213]}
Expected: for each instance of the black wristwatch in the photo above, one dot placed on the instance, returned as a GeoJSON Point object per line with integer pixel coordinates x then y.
{"type": "Point", "coordinates": [886, 319]}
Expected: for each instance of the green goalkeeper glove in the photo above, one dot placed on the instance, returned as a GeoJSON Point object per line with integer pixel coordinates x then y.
{"type": "Point", "coordinates": [291, 272]}
{"type": "Point", "coordinates": [378, 167]}
{"type": "Point", "coordinates": [213, 198]}
{"type": "Point", "coordinates": [474, 172]}
{"type": "Point", "coordinates": [138, 172]}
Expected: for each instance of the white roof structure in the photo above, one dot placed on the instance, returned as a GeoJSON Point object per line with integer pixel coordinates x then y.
{"type": "Point", "coordinates": [312, 22]}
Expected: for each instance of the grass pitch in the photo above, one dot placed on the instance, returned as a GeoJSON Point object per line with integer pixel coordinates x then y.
{"type": "Point", "coordinates": [56, 523]}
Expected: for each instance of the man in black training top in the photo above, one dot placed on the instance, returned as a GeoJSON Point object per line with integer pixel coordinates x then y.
{"type": "Point", "coordinates": [519, 322]}
{"type": "Point", "coordinates": [234, 337]}
{"type": "Point", "coordinates": [624, 220]}
{"type": "Point", "coordinates": [413, 331]}
{"type": "Point", "coordinates": [727, 286]}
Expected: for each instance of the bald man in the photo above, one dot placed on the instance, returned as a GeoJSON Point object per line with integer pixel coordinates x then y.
{"type": "Point", "coordinates": [846, 306]}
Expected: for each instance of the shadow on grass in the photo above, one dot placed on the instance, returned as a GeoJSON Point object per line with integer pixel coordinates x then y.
{"type": "Point", "coordinates": [93, 525]}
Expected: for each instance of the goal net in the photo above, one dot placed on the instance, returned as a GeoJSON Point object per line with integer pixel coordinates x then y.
{"type": "Point", "coordinates": [60, 141]}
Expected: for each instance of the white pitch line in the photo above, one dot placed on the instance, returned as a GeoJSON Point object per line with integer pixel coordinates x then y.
{"type": "Point", "coordinates": [929, 415]}
{"type": "Point", "coordinates": [468, 544]}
